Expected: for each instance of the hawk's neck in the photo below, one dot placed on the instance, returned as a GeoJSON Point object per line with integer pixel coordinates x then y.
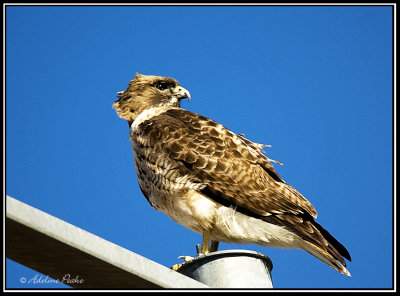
{"type": "Point", "coordinates": [149, 113]}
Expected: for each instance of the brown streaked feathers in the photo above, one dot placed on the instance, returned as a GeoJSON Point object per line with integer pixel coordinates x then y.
{"type": "Point", "coordinates": [229, 167]}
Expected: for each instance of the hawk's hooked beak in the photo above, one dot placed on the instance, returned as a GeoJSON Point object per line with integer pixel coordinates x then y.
{"type": "Point", "coordinates": [181, 93]}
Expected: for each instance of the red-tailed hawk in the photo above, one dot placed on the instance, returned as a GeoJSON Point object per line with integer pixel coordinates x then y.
{"type": "Point", "coordinates": [214, 181]}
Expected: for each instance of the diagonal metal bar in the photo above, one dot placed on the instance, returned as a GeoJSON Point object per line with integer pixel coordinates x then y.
{"type": "Point", "coordinates": [56, 248]}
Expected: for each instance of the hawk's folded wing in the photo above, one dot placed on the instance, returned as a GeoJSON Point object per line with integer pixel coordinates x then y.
{"type": "Point", "coordinates": [232, 167]}
{"type": "Point", "coordinates": [234, 172]}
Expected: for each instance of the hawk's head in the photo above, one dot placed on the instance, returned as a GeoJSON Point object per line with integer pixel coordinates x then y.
{"type": "Point", "coordinates": [147, 91]}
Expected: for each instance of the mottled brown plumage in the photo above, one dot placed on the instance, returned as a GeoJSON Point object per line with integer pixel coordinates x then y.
{"type": "Point", "coordinates": [212, 180]}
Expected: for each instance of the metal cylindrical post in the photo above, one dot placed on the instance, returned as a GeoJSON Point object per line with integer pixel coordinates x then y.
{"type": "Point", "coordinates": [230, 269]}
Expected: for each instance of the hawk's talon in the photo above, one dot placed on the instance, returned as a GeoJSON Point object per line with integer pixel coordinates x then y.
{"type": "Point", "coordinates": [186, 258]}
{"type": "Point", "coordinates": [176, 266]}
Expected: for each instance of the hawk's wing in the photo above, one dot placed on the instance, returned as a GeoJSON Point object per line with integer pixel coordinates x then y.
{"type": "Point", "coordinates": [232, 167]}
{"type": "Point", "coordinates": [234, 172]}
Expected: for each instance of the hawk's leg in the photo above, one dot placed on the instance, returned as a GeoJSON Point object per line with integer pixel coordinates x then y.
{"type": "Point", "coordinates": [214, 246]}
{"type": "Point", "coordinates": [205, 245]}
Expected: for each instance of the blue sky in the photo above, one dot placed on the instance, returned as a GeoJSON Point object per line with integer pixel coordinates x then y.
{"type": "Point", "coordinates": [313, 82]}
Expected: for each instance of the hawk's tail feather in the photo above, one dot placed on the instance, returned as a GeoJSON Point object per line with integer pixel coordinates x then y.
{"type": "Point", "coordinates": [338, 249]}
{"type": "Point", "coordinates": [324, 256]}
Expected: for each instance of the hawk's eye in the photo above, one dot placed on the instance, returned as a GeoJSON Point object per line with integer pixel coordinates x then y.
{"type": "Point", "coordinates": [162, 85]}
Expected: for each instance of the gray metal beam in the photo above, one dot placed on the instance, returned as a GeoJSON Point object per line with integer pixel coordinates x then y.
{"type": "Point", "coordinates": [56, 248]}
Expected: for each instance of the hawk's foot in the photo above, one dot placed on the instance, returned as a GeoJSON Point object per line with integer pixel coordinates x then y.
{"type": "Point", "coordinates": [178, 265]}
